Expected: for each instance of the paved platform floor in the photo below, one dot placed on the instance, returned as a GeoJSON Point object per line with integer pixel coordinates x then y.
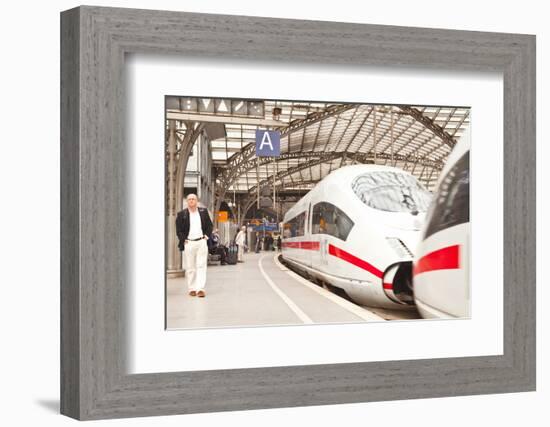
{"type": "Point", "coordinates": [258, 292]}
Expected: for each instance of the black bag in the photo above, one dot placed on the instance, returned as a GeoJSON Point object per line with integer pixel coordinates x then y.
{"type": "Point", "coordinates": [232, 254]}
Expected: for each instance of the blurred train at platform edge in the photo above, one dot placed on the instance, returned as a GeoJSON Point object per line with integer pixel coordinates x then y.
{"type": "Point", "coordinates": [441, 274]}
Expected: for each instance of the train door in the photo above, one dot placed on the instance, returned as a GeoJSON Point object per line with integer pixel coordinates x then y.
{"type": "Point", "coordinates": [308, 253]}
{"type": "Point", "coordinates": [314, 236]}
{"type": "Point", "coordinates": [323, 250]}
{"type": "Point", "coordinates": [318, 238]}
{"type": "Point", "coordinates": [323, 235]}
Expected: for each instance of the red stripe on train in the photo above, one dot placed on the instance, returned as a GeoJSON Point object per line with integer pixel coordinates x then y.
{"type": "Point", "coordinates": [339, 253]}
{"type": "Point", "coordinates": [352, 259]}
{"type": "Point", "coordinates": [442, 259]}
{"type": "Point", "coordinates": [312, 246]}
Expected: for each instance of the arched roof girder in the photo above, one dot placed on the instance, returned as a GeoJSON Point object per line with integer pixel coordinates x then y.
{"type": "Point", "coordinates": [429, 124]}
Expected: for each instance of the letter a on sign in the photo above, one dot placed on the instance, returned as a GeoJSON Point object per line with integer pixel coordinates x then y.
{"type": "Point", "coordinates": [266, 140]}
{"type": "Point", "coordinates": [268, 143]}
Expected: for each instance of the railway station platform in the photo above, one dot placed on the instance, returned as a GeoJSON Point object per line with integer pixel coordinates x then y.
{"type": "Point", "coordinates": [259, 292]}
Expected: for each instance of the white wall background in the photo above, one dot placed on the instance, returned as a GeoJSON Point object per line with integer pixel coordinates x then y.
{"type": "Point", "coordinates": [29, 218]}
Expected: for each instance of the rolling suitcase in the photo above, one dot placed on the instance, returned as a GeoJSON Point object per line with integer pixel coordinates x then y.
{"type": "Point", "coordinates": [232, 254]}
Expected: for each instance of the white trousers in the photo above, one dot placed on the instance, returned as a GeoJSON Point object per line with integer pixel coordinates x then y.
{"type": "Point", "coordinates": [240, 252]}
{"type": "Point", "coordinates": [195, 258]}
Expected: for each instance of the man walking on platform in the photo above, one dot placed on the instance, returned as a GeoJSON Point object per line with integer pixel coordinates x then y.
{"type": "Point", "coordinates": [193, 226]}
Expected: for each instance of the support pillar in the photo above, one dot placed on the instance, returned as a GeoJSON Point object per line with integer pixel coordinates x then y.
{"type": "Point", "coordinates": [174, 267]}
{"type": "Point", "coordinates": [173, 256]}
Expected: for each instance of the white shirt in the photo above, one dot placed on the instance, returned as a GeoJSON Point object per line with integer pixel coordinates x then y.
{"type": "Point", "coordinates": [195, 226]}
{"type": "Point", "coordinates": [240, 238]}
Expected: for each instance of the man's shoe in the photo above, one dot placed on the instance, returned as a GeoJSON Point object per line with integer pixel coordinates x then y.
{"type": "Point", "coordinates": [201, 293]}
{"type": "Point", "coordinates": [192, 293]}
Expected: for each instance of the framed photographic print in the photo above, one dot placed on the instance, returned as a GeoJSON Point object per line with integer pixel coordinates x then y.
{"type": "Point", "coordinates": [282, 213]}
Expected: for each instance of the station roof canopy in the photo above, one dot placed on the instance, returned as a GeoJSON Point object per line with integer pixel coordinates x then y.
{"type": "Point", "coordinates": [318, 137]}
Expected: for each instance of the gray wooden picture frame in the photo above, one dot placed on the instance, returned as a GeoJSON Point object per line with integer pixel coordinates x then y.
{"type": "Point", "coordinates": [94, 268]}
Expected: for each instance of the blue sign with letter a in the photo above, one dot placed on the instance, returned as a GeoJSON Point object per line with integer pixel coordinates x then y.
{"type": "Point", "coordinates": [268, 143]}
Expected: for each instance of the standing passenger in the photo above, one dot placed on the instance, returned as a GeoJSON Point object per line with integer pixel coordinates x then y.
{"type": "Point", "coordinates": [193, 226]}
{"type": "Point", "coordinates": [258, 242]}
{"type": "Point", "coordinates": [240, 240]}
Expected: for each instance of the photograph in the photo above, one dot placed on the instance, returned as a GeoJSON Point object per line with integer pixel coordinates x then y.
{"type": "Point", "coordinates": [293, 212]}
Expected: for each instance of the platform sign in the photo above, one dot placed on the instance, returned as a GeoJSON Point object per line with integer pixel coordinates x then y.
{"type": "Point", "coordinates": [268, 143]}
{"type": "Point", "coordinates": [269, 226]}
{"type": "Point", "coordinates": [222, 216]}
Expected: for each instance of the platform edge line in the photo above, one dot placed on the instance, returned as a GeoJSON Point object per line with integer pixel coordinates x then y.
{"type": "Point", "coordinates": [291, 304]}
{"type": "Point", "coordinates": [346, 305]}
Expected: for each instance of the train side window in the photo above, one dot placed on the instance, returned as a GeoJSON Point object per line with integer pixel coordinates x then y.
{"type": "Point", "coordinates": [295, 227]}
{"type": "Point", "coordinates": [451, 203]}
{"type": "Point", "coordinates": [301, 224]}
{"type": "Point", "coordinates": [328, 219]}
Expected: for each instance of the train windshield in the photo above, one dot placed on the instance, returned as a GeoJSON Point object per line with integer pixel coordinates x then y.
{"type": "Point", "coordinates": [391, 191]}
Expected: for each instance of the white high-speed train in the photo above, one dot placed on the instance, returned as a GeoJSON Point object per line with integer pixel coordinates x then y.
{"type": "Point", "coordinates": [441, 282]}
{"type": "Point", "coordinates": [356, 230]}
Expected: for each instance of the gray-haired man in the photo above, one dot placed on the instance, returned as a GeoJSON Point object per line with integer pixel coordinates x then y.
{"type": "Point", "coordinates": [193, 226]}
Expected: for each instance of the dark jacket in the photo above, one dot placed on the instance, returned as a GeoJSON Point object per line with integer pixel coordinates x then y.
{"type": "Point", "coordinates": [213, 242]}
{"type": "Point", "coordinates": [182, 225]}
